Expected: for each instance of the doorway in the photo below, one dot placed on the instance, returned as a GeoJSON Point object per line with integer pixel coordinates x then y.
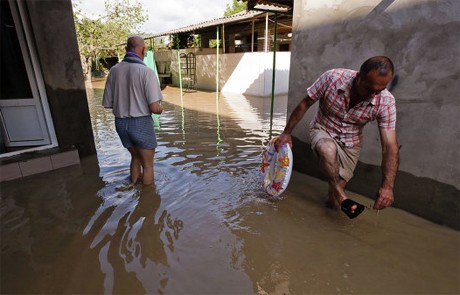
{"type": "Point", "coordinates": [25, 119]}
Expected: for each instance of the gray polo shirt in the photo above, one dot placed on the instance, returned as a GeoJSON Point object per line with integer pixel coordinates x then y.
{"type": "Point", "coordinates": [129, 89]}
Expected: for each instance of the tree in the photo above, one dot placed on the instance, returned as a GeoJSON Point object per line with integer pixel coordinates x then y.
{"type": "Point", "coordinates": [97, 37]}
{"type": "Point", "coordinates": [182, 39]}
{"type": "Point", "coordinates": [237, 6]}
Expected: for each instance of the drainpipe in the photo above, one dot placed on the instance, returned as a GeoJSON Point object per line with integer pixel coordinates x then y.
{"type": "Point", "coordinates": [217, 59]}
{"type": "Point", "coordinates": [223, 37]}
{"type": "Point", "coordinates": [219, 140]}
{"type": "Point", "coordinates": [273, 72]}
{"type": "Point", "coordinates": [180, 85]}
{"type": "Point", "coordinates": [152, 45]}
{"type": "Point", "coordinates": [252, 36]}
{"type": "Point", "coordinates": [178, 62]}
{"type": "Point", "coordinates": [266, 33]}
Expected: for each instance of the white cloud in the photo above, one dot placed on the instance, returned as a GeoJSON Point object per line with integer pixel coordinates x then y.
{"type": "Point", "coordinates": [166, 15]}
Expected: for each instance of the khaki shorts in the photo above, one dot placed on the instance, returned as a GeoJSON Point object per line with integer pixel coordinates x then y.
{"type": "Point", "coordinates": [348, 157]}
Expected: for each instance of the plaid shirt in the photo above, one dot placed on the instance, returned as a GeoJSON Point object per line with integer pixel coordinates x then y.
{"type": "Point", "coordinates": [332, 89]}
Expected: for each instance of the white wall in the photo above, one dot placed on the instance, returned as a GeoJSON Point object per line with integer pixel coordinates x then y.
{"type": "Point", "coordinates": [251, 73]}
{"type": "Point", "coordinates": [242, 73]}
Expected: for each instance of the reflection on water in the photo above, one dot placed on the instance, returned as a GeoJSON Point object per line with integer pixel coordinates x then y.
{"type": "Point", "coordinates": [131, 237]}
{"type": "Point", "coordinates": [205, 227]}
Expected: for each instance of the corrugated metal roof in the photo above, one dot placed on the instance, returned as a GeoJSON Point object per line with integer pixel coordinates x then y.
{"type": "Point", "coordinates": [271, 5]}
{"type": "Point", "coordinates": [245, 15]}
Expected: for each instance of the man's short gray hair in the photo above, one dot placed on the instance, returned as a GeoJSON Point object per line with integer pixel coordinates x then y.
{"type": "Point", "coordinates": [134, 42]}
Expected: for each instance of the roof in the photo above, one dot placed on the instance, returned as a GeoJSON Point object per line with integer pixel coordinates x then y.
{"type": "Point", "coordinates": [271, 5]}
{"type": "Point", "coordinates": [245, 15]}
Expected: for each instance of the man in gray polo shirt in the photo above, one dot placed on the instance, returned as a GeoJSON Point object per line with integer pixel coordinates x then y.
{"type": "Point", "coordinates": [133, 93]}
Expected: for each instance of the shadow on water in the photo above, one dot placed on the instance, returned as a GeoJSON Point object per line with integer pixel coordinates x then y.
{"type": "Point", "coordinates": [205, 227]}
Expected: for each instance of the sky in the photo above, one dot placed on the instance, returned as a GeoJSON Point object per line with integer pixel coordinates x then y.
{"type": "Point", "coordinates": [165, 15]}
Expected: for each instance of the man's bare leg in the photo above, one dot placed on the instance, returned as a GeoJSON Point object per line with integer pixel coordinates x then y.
{"type": "Point", "coordinates": [136, 165]}
{"type": "Point", "coordinates": [331, 201]}
{"type": "Point", "coordinates": [147, 157]}
{"type": "Point", "coordinates": [329, 165]}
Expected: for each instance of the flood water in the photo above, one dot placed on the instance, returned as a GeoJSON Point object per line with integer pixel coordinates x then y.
{"type": "Point", "coordinates": [206, 227]}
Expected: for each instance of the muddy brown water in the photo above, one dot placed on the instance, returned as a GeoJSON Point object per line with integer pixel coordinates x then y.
{"type": "Point", "coordinates": [205, 227]}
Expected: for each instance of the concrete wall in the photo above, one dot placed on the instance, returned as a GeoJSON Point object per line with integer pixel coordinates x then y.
{"type": "Point", "coordinates": [251, 73]}
{"type": "Point", "coordinates": [422, 39]}
{"type": "Point", "coordinates": [244, 73]}
{"type": "Point", "coordinates": [55, 39]}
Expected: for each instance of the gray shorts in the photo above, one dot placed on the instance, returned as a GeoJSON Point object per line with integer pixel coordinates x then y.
{"type": "Point", "coordinates": [136, 132]}
{"type": "Point", "coordinates": [348, 157]}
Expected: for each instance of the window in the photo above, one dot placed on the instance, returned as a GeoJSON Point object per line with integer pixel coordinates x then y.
{"type": "Point", "coordinates": [13, 75]}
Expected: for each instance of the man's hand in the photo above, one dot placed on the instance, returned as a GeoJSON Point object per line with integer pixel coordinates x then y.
{"type": "Point", "coordinates": [283, 139]}
{"type": "Point", "coordinates": [384, 198]}
{"type": "Point", "coordinates": [390, 163]}
{"type": "Point", "coordinates": [156, 107]}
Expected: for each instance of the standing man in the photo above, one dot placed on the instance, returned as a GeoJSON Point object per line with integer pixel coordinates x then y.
{"type": "Point", "coordinates": [133, 93]}
{"type": "Point", "coordinates": [348, 100]}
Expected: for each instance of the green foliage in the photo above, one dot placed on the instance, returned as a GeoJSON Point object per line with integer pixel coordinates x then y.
{"type": "Point", "coordinates": [194, 41]}
{"type": "Point", "coordinates": [156, 44]}
{"type": "Point", "coordinates": [213, 43]}
{"type": "Point", "coordinates": [97, 37]}
{"type": "Point", "coordinates": [185, 40]}
{"type": "Point", "coordinates": [237, 6]}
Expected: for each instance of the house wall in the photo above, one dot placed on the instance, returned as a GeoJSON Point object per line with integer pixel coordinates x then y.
{"type": "Point", "coordinates": [421, 37]}
{"type": "Point", "coordinates": [244, 73]}
{"type": "Point", "coordinates": [54, 34]}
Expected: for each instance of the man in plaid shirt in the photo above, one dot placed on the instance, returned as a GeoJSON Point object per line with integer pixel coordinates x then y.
{"type": "Point", "coordinates": [348, 100]}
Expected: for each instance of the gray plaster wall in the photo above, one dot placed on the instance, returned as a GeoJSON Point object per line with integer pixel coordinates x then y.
{"type": "Point", "coordinates": [422, 39]}
{"type": "Point", "coordinates": [55, 39]}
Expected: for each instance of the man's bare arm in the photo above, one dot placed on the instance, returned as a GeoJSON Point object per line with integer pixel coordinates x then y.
{"type": "Point", "coordinates": [295, 117]}
{"type": "Point", "coordinates": [390, 163]}
{"type": "Point", "coordinates": [156, 108]}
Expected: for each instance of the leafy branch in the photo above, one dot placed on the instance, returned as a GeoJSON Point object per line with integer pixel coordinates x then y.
{"type": "Point", "coordinates": [97, 37]}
